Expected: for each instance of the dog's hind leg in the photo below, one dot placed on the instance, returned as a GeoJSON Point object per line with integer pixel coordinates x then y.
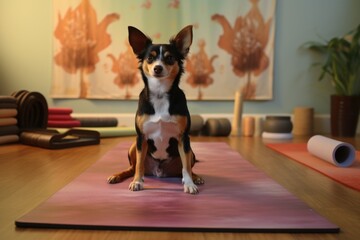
{"type": "Point", "coordinates": [197, 179]}
{"type": "Point", "coordinates": [121, 176]}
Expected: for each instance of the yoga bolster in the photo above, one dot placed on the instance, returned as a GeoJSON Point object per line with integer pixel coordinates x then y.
{"type": "Point", "coordinates": [218, 127]}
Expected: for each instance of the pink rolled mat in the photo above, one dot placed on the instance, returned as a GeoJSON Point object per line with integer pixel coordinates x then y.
{"type": "Point", "coordinates": [236, 197]}
{"type": "Point", "coordinates": [349, 176]}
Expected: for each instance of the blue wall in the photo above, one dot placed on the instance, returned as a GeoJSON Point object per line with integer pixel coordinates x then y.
{"type": "Point", "coordinates": [26, 56]}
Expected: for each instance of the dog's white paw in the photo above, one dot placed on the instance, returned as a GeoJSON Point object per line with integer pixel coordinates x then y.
{"type": "Point", "coordinates": [191, 188]}
{"type": "Point", "coordinates": [136, 186]}
{"type": "Point", "coordinates": [189, 185]}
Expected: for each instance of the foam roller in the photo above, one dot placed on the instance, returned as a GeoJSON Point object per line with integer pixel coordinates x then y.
{"type": "Point", "coordinates": [218, 127]}
{"type": "Point", "coordinates": [197, 123]}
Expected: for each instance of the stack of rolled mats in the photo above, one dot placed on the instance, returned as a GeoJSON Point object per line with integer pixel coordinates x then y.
{"type": "Point", "coordinates": [61, 118]}
{"type": "Point", "coordinates": [8, 121]}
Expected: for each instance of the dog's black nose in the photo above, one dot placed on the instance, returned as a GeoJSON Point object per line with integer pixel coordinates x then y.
{"type": "Point", "coordinates": [158, 69]}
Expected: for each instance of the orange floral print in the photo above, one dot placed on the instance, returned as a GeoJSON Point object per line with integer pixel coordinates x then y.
{"type": "Point", "coordinates": [126, 69]}
{"type": "Point", "coordinates": [200, 67]}
{"type": "Point", "coordinates": [82, 38]}
{"type": "Point", "coordinates": [246, 42]}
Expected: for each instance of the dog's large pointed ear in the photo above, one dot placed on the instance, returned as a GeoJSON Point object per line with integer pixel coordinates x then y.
{"type": "Point", "coordinates": [138, 40]}
{"type": "Point", "coordinates": [183, 40]}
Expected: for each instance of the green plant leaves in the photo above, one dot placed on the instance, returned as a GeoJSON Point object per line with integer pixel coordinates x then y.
{"type": "Point", "coordinates": [341, 61]}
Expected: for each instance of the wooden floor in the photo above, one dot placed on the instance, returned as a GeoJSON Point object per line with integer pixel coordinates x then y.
{"type": "Point", "coordinates": [30, 175]}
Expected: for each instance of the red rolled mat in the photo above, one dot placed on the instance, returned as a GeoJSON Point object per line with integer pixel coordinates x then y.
{"type": "Point", "coordinates": [55, 110]}
{"type": "Point", "coordinates": [349, 176]}
{"type": "Point", "coordinates": [64, 124]}
{"type": "Point", "coordinates": [60, 117]}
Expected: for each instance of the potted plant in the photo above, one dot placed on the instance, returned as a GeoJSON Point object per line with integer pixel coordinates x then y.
{"type": "Point", "coordinates": [341, 62]}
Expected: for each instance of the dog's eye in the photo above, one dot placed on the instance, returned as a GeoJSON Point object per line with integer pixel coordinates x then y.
{"type": "Point", "coordinates": [150, 59]}
{"type": "Point", "coordinates": [169, 60]}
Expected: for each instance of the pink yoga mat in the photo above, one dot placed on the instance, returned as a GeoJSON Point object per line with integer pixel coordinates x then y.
{"type": "Point", "coordinates": [235, 198]}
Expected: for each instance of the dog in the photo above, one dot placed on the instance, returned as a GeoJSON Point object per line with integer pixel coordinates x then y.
{"type": "Point", "coordinates": [162, 147]}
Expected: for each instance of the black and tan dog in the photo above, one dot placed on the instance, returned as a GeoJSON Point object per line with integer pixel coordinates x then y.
{"type": "Point", "coordinates": [162, 121]}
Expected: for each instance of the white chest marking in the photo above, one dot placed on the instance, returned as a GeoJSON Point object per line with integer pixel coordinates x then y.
{"type": "Point", "coordinates": [161, 127]}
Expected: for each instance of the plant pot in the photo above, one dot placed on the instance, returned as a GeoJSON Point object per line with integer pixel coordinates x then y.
{"type": "Point", "coordinates": [344, 115]}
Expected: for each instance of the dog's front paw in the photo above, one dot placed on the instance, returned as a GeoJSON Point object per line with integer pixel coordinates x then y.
{"type": "Point", "coordinates": [191, 188]}
{"type": "Point", "coordinates": [136, 186]}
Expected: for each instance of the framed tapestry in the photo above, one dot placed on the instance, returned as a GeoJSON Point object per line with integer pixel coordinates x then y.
{"type": "Point", "coordinates": [232, 49]}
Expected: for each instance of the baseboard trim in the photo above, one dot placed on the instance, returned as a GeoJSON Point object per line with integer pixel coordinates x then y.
{"type": "Point", "coordinates": [321, 121]}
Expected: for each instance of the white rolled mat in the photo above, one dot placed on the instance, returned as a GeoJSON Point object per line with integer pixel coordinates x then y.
{"type": "Point", "coordinates": [340, 154]}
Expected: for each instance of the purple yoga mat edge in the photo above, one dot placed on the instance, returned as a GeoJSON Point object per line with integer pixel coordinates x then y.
{"type": "Point", "coordinates": [24, 223]}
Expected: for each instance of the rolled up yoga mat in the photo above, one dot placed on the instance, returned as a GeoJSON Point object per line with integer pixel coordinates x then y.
{"type": "Point", "coordinates": [97, 122]}
{"type": "Point", "coordinates": [61, 118]}
{"type": "Point", "coordinates": [32, 110]}
{"type": "Point", "coordinates": [7, 102]}
{"type": "Point", "coordinates": [340, 154]}
{"type": "Point", "coordinates": [32, 119]}
{"type": "Point", "coordinates": [8, 121]}
{"type": "Point", "coordinates": [9, 130]}
{"type": "Point", "coordinates": [8, 110]}
{"type": "Point", "coordinates": [11, 112]}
